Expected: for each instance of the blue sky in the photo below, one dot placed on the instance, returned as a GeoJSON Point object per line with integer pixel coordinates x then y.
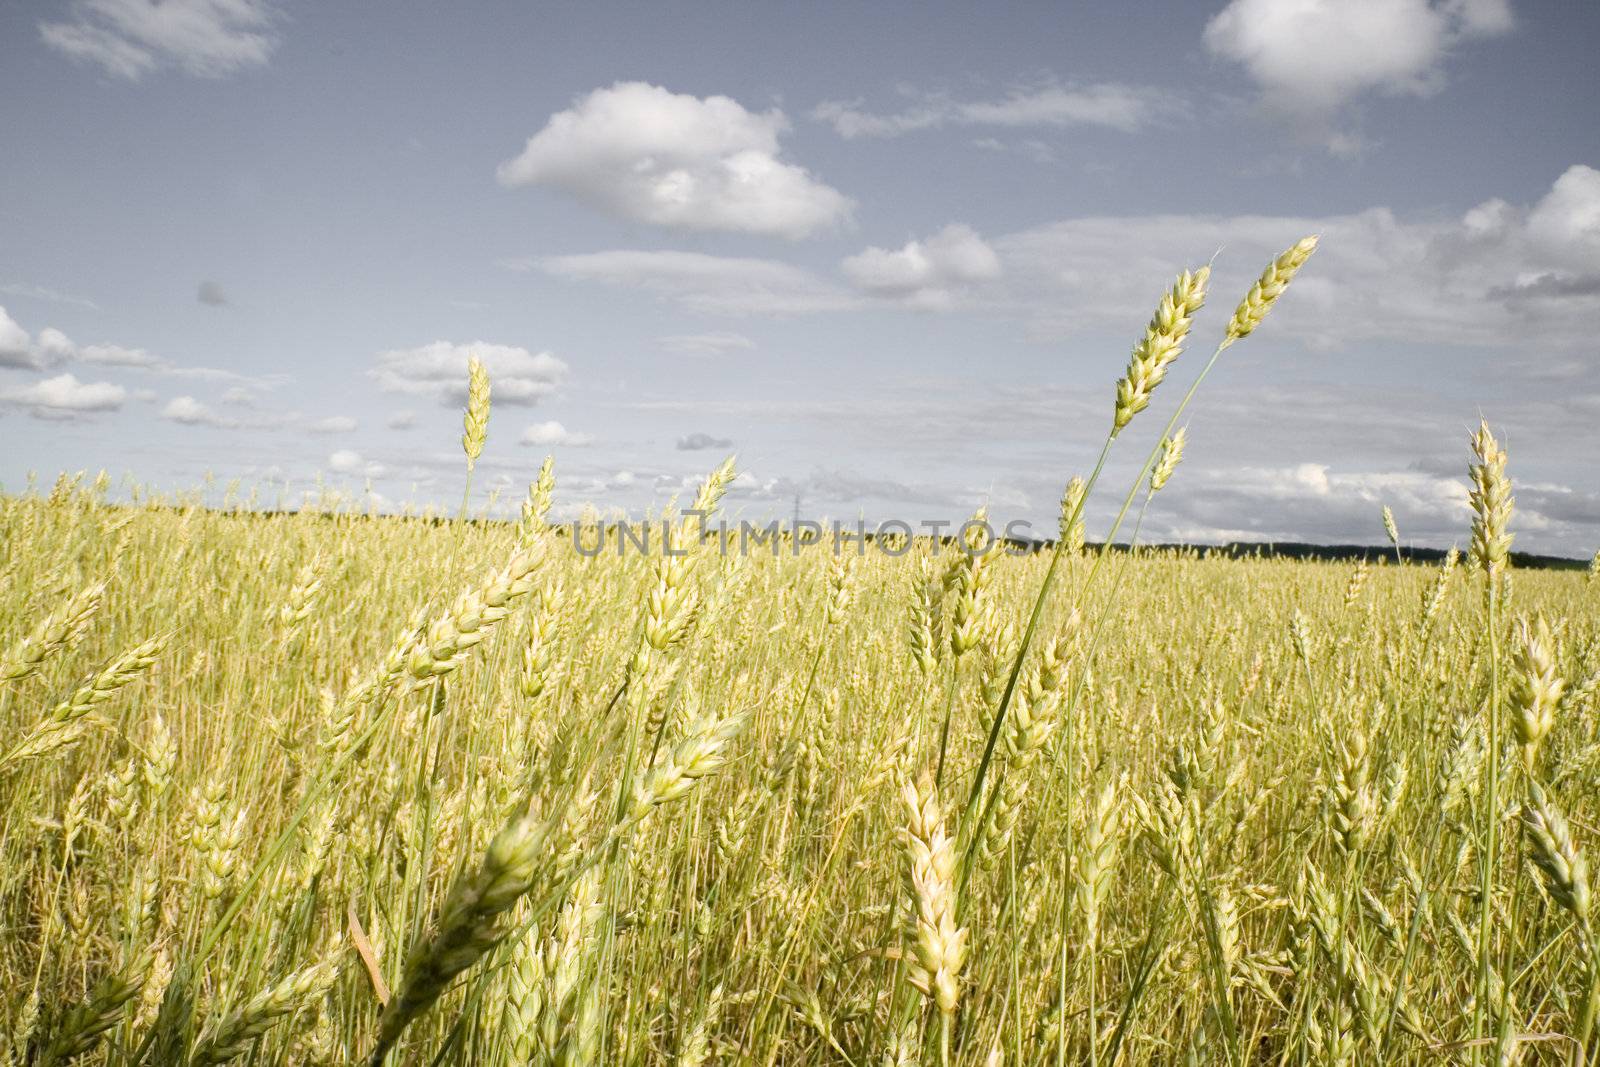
{"type": "Point", "coordinates": [892, 255]}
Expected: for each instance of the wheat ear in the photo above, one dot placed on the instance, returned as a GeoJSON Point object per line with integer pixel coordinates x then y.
{"type": "Point", "coordinates": [1265, 292]}
{"type": "Point", "coordinates": [64, 723]}
{"type": "Point", "coordinates": [469, 925]}
{"type": "Point", "coordinates": [56, 631]}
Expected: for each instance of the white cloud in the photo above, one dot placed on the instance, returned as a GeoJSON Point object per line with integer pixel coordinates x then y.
{"type": "Point", "coordinates": [1312, 501]}
{"type": "Point", "coordinates": [1120, 107]}
{"type": "Point", "coordinates": [1564, 227]}
{"type": "Point", "coordinates": [188, 411]}
{"type": "Point", "coordinates": [211, 294]}
{"type": "Point", "coordinates": [1499, 275]}
{"type": "Point", "coordinates": [930, 272]}
{"type": "Point", "coordinates": [401, 420]}
{"type": "Point", "coordinates": [641, 152]}
{"type": "Point", "coordinates": [549, 434]}
{"type": "Point", "coordinates": [18, 349]}
{"type": "Point", "coordinates": [109, 355]}
{"type": "Point", "coordinates": [345, 461]}
{"type": "Point", "coordinates": [332, 424]}
{"type": "Point", "coordinates": [724, 285]}
{"type": "Point", "coordinates": [1311, 57]}
{"type": "Point", "coordinates": [16, 346]}
{"type": "Point", "coordinates": [849, 120]}
{"type": "Point", "coordinates": [65, 397]}
{"type": "Point", "coordinates": [1106, 104]}
{"type": "Point", "coordinates": [55, 346]}
{"type": "Point", "coordinates": [54, 296]}
{"type": "Point", "coordinates": [439, 370]}
{"type": "Point", "coordinates": [131, 38]}
{"type": "Point", "coordinates": [715, 343]}
{"type": "Point", "coordinates": [119, 356]}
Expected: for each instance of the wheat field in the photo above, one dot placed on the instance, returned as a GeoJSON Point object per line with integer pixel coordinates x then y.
{"type": "Point", "coordinates": [331, 787]}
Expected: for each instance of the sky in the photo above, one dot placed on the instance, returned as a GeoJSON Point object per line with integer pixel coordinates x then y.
{"type": "Point", "coordinates": [894, 256]}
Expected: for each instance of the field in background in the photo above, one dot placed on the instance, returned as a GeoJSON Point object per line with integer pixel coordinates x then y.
{"type": "Point", "coordinates": [1266, 762]}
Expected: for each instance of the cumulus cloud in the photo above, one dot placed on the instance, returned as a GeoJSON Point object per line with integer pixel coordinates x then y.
{"type": "Point", "coordinates": [439, 370]}
{"type": "Point", "coordinates": [55, 346]}
{"type": "Point", "coordinates": [1564, 227]}
{"type": "Point", "coordinates": [552, 433]}
{"type": "Point", "coordinates": [722, 285]}
{"type": "Point", "coordinates": [65, 397]}
{"type": "Point", "coordinates": [401, 420]}
{"type": "Point", "coordinates": [697, 442]}
{"type": "Point", "coordinates": [715, 343]}
{"type": "Point", "coordinates": [931, 272]}
{"type": "Point", "coordinates": [641, 152]}
{"type": "Point", "coordinates": [131, 38]}
{"type": "Point", "coordinates": [211, 294]}
{"type": "Point", "coordinates": [19, 349]}
{"type": "Point", "coordinates": [1311, 57]}
{"type": "Point", "coordinates": [1106, 104]}
{"type": "Point", "coordinates": [346, 461]}
{"type": "Point", "coordinates": [16, 345]}
{"type": "Point", "coordinates": [188, 411]}
{"type": "Point", "coordinates": [1500, 274]}
{"type": "Point", "coordinates": [1315, 501]}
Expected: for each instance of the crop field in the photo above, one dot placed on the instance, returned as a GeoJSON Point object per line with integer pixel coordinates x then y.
{"type": "Point", "coordinates": [329, 787]}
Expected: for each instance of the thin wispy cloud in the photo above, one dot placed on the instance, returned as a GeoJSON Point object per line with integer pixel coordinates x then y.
{"type": "Point", "coordinates": [715, 343]}
{"type": "Point", "coordinates": [188, 410]}
{"type": "Point", "coordinates": [52, 348]}
{"type": "Point", "coordinates": [724, 285]}
{"type": "Point", "coordinates": [53, 296]}
{"type": "Point", "coordinates": [132, 38]}
{"type": "Point", "coordinates": [333, 424]}
{"type": "Point", "coordinates": [1108, 104]}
